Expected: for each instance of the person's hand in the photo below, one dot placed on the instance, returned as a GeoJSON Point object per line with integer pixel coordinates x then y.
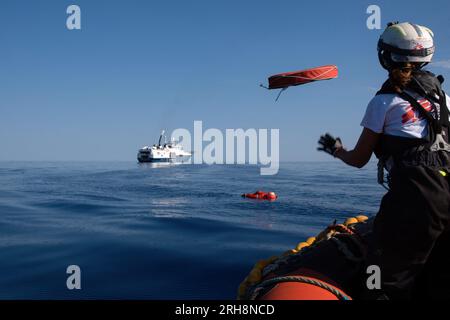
{"type": "Point", "coordinates": [329, 144]}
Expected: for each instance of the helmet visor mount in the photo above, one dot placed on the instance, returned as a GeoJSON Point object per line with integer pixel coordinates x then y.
{"type": "Point", "coordinates": [406, 52]}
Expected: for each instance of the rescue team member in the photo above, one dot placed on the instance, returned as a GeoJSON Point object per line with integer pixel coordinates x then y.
{"type": "Point", "coordinates": [406, 126]}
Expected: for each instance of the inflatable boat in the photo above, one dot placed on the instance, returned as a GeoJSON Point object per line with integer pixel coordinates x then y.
{"type": "Point", "coordinates": [333, 266]}
{"type": "Point", "coordinates": [325, 267]}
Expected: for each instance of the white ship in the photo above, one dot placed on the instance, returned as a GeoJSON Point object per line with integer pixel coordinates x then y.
{"type": "Point", "coordinates": [163, 152]}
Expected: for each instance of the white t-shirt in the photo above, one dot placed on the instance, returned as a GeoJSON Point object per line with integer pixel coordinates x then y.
{"type": "Point", "coordinates": [390, 114]}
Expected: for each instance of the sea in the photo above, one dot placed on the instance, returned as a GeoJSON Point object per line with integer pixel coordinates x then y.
{"type": "Point", "coordinates": [175, 231]}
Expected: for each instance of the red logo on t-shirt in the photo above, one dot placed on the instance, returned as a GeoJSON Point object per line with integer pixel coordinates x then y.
{"type": "Point", "coordinates": [410, 114]}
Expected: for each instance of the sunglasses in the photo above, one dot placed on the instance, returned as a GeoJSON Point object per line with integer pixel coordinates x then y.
{"type": "Point", "coordinates": [406, 69]}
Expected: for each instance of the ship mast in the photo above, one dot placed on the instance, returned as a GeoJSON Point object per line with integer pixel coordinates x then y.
{"type": "Point", "coordinates": [160, 138]}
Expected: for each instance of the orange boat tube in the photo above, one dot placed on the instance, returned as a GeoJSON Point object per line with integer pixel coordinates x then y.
{"type": "Point", "coordinates": [300, 287]}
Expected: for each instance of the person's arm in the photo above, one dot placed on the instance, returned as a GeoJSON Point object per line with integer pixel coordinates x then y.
{"type": "Point", "coordinates": [360, 155]}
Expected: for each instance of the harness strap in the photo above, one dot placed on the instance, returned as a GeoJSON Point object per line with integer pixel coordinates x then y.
{"type": "Point", "coordinates": [431, 93]}
{"type": "Point", "coordinates": [422, 111]}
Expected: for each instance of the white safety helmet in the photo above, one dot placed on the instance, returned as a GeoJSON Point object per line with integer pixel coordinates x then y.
{"type": "Point", "coordinates": [405, 42]}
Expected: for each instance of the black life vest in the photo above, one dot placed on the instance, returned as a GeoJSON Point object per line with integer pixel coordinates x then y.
{"type": "Point", "coordinates": [428, 86]}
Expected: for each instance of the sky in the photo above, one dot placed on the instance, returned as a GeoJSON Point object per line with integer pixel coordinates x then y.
{"type": "Point", "coordinates": [137, 67]}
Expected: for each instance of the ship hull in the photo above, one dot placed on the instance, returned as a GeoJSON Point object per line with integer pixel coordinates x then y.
{"type": "Point", "coordinates": [152, 160]}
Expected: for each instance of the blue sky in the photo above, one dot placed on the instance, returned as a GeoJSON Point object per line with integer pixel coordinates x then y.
{"type": "Point", "coordinates": [137, 67]}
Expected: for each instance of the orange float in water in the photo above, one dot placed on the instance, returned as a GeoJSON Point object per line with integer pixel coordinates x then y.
{"type": "Point", "coordinates": [261, 195]}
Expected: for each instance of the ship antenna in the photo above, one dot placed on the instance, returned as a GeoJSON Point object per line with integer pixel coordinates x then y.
{"type": "Point", "coordinates": [160, 137]}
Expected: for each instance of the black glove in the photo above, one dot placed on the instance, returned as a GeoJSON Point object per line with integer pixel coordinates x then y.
{"type": "Point", "coordinates": [329, 144]}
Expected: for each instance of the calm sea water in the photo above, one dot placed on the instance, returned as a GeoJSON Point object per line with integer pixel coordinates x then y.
{"type": "Point", "coordinates": [170, 232]}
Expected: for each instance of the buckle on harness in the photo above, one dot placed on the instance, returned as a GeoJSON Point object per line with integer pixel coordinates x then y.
{"type": "Point", "coordinates": [384, 163]}
{"type": "Point", "coordinates": [440, 144]}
